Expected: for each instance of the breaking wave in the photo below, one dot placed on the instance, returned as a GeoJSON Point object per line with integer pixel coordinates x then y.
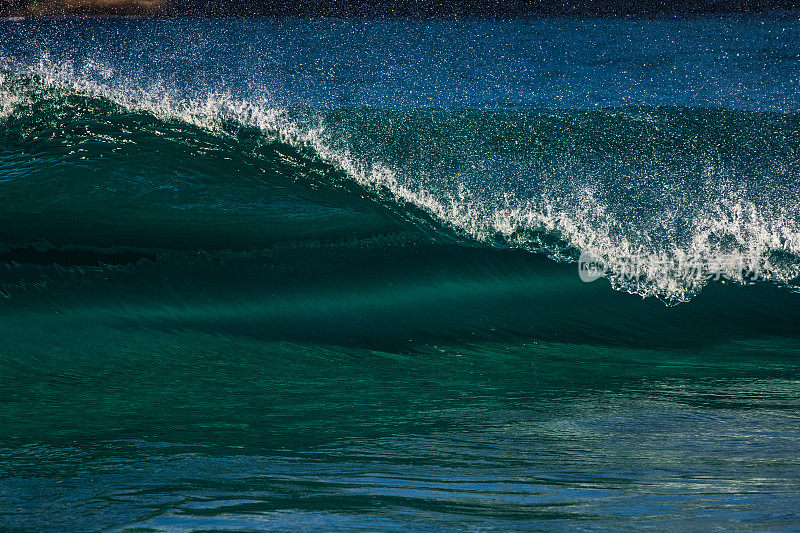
{"type": "Point", "coordinates": [663, 199]}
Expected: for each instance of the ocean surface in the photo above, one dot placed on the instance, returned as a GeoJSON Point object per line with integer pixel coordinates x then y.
{"type": "Point", "coordinates": [330, 274]}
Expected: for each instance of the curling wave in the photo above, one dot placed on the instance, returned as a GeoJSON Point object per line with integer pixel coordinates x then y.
{"type": "Point", "coordinates": [666, 199]}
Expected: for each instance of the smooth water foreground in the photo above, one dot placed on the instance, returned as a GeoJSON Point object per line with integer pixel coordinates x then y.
{"type": "Point", "coordinates": [320, 274]}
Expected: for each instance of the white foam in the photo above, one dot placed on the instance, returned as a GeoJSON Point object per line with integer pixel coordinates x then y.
{"type": "Point", "coordinates": [9, 100]}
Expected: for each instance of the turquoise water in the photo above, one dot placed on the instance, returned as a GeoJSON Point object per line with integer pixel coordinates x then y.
{"type": "Point", "coordinates": [323, 274]}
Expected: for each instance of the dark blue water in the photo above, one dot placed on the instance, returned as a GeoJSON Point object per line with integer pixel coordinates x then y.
{"type": "Point", "coordinates": [281, 274]}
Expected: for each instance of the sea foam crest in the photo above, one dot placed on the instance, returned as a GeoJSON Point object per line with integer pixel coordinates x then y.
{"type": "Point", "coordinates": [9, 100]}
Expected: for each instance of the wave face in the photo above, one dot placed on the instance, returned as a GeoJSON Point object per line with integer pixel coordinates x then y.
{"type": "Point", "coordinates": [262, 273]}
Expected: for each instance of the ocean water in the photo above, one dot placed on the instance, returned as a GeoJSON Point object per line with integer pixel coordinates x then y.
{"type": "Point", "coordinates": [321, 274]}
